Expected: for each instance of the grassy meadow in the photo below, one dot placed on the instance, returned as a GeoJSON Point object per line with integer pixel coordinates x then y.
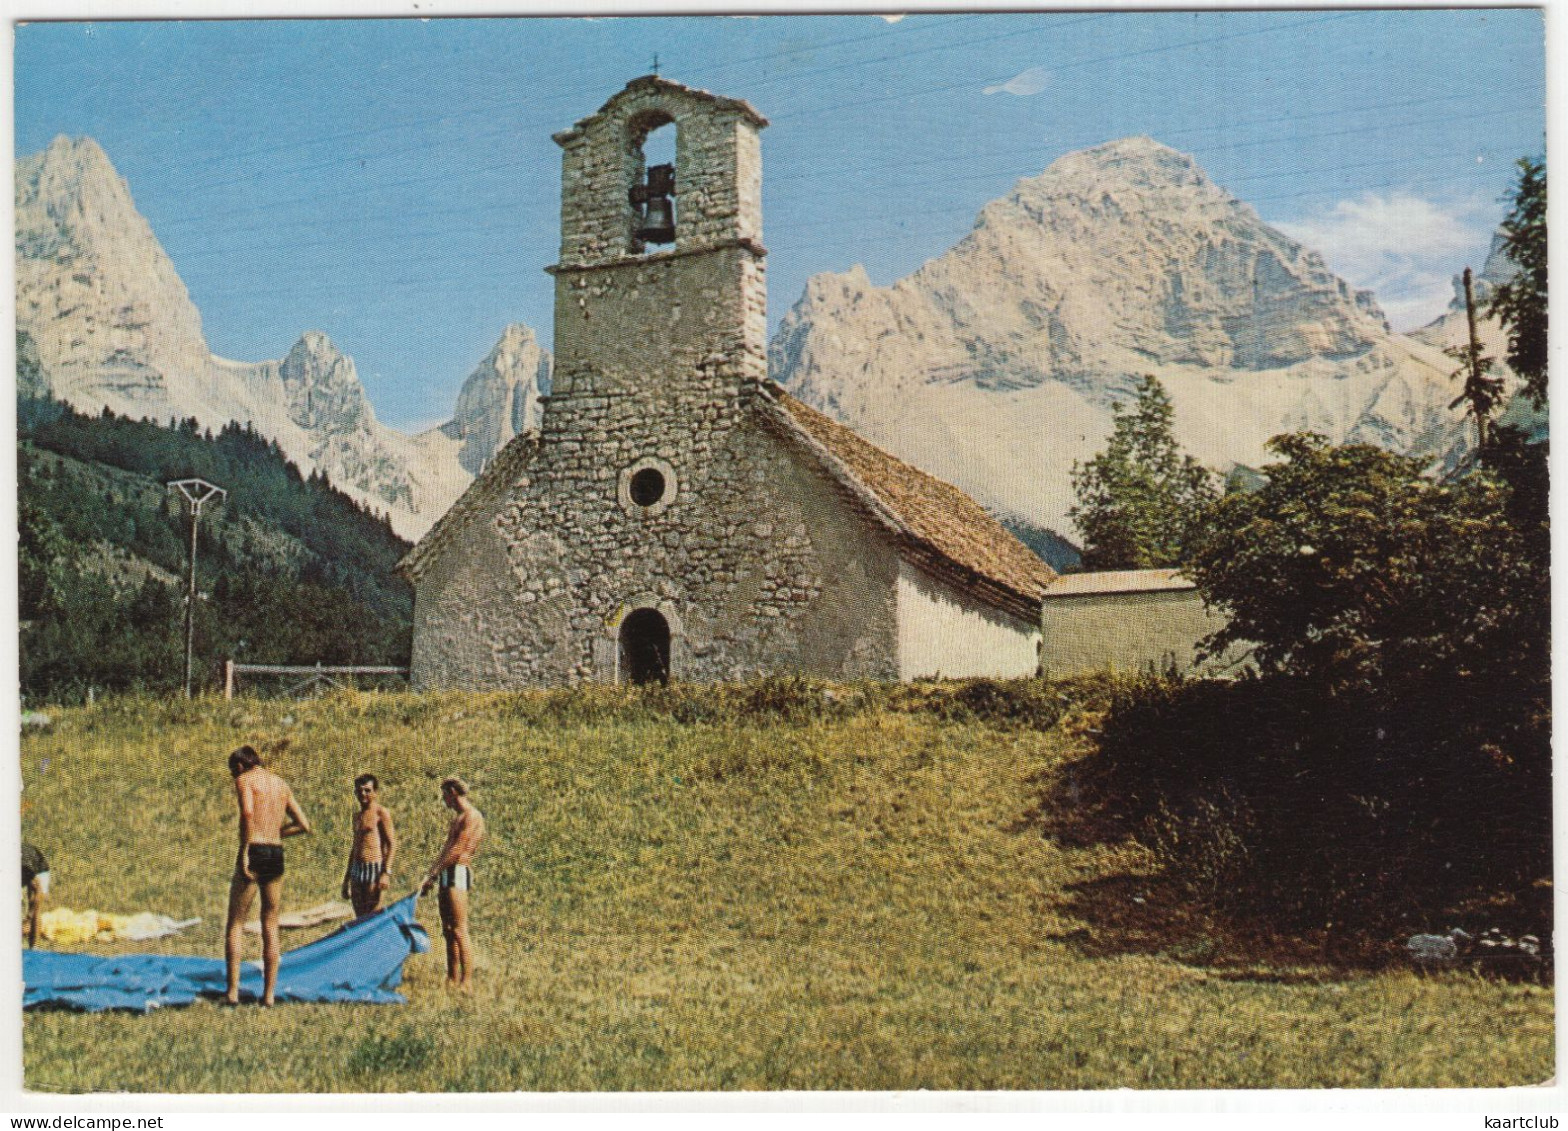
{"type": "Point", "coordinates": [763, 887]}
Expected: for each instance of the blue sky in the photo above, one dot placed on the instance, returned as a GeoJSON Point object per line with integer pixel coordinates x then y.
{"type": "Point", "coordinates": [393, 182]}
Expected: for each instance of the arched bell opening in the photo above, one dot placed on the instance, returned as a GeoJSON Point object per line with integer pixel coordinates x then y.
{"type": "Point", "coordinates": [645, 647]}
{"type": "Point", "coordinates": [652, 142]}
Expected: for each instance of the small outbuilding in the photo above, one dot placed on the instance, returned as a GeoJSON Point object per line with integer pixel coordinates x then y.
{"type": "Point", "coordinates": [1141, 620]}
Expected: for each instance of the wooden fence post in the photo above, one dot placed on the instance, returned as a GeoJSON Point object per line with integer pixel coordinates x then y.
{"type": "Point", "coordinates": [228, 679]}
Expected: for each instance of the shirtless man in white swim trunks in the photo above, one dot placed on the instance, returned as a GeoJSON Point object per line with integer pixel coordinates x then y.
{"type": "Point", "coordinates": [453, 872]}
{"type": "Point", "coordinates": [370, 855]}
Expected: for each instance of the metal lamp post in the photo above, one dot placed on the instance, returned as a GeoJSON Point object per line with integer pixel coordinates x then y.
{"type": "Point", "coordinates": [196, 492]}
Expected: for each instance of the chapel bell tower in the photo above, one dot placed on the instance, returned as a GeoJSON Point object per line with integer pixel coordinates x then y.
{"type": "Point", "coordinates": [660, 289]}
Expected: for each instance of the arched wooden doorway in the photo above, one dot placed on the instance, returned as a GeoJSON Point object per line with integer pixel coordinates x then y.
{"type": "Point", "coordinates": [645, 647]}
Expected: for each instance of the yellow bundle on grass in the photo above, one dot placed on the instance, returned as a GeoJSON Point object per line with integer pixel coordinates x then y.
{"type": "Point", "coordinates": [66, 926]}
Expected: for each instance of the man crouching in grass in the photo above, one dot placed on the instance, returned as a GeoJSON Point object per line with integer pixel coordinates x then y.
{"type": "Point", "coordinates": [371, 851]}
{"type": "Point", "coordinates": [453, 871]}
{"type": "Point", "coordinates": [268, 813]}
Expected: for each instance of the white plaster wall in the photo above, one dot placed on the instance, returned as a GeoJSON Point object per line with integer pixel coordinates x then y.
{"type": "Point", "coordinates": [942, 631]}
{"type": "Point", "coordinates": [1151, 631]}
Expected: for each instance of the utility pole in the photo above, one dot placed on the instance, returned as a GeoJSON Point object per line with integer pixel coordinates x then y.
{"type": "Point", "coordinates": [1475, 386]}
{"type": "Point", "coordinates": [196, 492]}
{"type": "Point", "coordinates": [1483, 389]}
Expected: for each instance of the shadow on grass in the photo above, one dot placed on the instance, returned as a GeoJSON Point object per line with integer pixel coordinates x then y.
{"type": "Point", "coordinates": [1147, 910]}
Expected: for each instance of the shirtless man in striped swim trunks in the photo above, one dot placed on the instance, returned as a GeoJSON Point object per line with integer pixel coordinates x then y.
{"type": "Point", "coordinates": [268, 813]}
{"type": "Point", "coordinates": [454, 873]}
{"type": "Point", "coordinates": [370, 855]}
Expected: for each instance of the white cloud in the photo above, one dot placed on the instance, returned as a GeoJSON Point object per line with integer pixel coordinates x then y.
{"type": "Point", "coordinates": [1032, 81]}
{"type": "Point", "coordinates": [1402, 247]}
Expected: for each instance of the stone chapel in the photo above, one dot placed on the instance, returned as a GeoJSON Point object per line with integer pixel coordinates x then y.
{"type": "Point", "coordinates": [678, 515]}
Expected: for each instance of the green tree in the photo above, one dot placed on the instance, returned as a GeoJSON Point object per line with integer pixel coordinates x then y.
{"type": "Point", "coordinates": [42, 552]}
{"type": "Point", "coordinates": [1349, 566]}
{"type": "Point", "coordinates": [1483, 389]}
{"type": "Point", "coordinates": [1392, 767]}
{"type": "Point", "coordinates": [297, 572]}
{"type": "Point", "coordinates": [1138, 500]}
{"type": "Point", "coordinates": [1520, 303]}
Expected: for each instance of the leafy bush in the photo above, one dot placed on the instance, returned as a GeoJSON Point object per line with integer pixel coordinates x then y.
{"type": "Point", "coordinates": [1296, 807]}
{"type": "Point", "coordinates": [1392, 767]}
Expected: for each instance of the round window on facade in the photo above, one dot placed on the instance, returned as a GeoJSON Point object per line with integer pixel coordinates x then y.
{"type": "Point", "coordinates": [647, 486]}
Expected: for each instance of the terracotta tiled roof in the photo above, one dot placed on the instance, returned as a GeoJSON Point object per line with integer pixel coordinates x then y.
{"type": "Point", "coordinates": [936, 525]}
{"type": "Point", "coordinates": [486, 490]}
{"type": "Point", "coordinates": [943, 528]}
{"type": "Point", "coordinates": [1117, 581]}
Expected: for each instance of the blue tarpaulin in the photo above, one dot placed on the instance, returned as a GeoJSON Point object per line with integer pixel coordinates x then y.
{"type": "Point", "coordinates": [361, 962]}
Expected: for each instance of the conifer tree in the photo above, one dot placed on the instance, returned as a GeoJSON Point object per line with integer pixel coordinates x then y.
{"type": "Point", "coordinates": [1520, 303]}
{"type": "Point", "coordinates": [1139, 499]}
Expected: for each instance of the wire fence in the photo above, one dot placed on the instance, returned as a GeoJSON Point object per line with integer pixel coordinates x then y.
{"type": "Point", "coordinates": [303, 680]}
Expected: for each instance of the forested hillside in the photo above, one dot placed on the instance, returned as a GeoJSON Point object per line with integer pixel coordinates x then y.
{"type": "Point", "coordinates": [289, 570]}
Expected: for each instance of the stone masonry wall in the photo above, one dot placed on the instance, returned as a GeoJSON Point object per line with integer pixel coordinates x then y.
{"type": "Point", "coordinates": [718, 172]}
{"type": "Point", "coordinates": [759, 559]}
{"type": "Point", "coordinates": [683, 325]}
{"type": "Point", "coordinates": [754, 556]}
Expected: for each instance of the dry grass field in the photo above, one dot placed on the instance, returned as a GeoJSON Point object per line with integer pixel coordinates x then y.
{"type": "Point", "coordinates": [746, 888]}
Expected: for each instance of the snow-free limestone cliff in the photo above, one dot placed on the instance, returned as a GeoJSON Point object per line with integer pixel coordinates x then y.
{"type": "Point", "coordinates": [995, 365]}
{"type": "Point", "coordinates": [109, 323]}
{"type": "Point", "coordinates": [500, 399]}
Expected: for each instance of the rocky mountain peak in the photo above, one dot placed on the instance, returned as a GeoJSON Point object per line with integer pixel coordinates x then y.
{"type": "Point", "coordinates": [71, 202]}
{"type": "Point", "coordinates": [70, 169]}
{"type": "Point", "coordinates": [324, 393]}
{"type": "Point", "coordinates": [102, 302]}
{"type": "Point", "coordinates": [1132, 162]}
{"type": "Point", "coordinates": [517, 347]}
{"type": "Point", "coordinates": [500, 398]}
{"type": "Point", "coordinates": [1497, 269]}
{"type": "Point", "coordinates": [103, 321]}
{"type": "Point", "coordinates": [996, 364]}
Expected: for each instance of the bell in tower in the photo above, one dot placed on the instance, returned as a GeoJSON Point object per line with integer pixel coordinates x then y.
{"type": "Point", "coordinates": [654, 209]}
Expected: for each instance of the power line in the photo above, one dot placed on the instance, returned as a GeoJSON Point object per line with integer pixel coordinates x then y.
{"type": "Point", "coordinates": [540, 121]}
{"type": "Point", "coordinates": [357, 191]}
{"type": "Point", "coordinates": [549, 240]}
{"type": "Point", "coordinates": [971, 209]}
{"type": "Point", "coordinates": [1160, 135]}
{"type": "Point", "coordinates": [1363, 188]}
{"type": "Point", "coordinates": [1076, 63]}
{"type": "Point", "coordinates": [507, 207]}
{"type": "Point", "coordinates": [512, 164]}
{"type": "Point", "coordinates": [862, 233]}
{"type": "Point", "coordinates": [994, 174]}
{"type": "Point", "coordinates": [559, 96]}
{"type": "Point", "coordinates": [902, 55]}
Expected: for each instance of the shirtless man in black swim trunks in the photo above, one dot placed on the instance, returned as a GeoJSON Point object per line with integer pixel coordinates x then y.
{"type": "Point", "coordinates": [268, 813]}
